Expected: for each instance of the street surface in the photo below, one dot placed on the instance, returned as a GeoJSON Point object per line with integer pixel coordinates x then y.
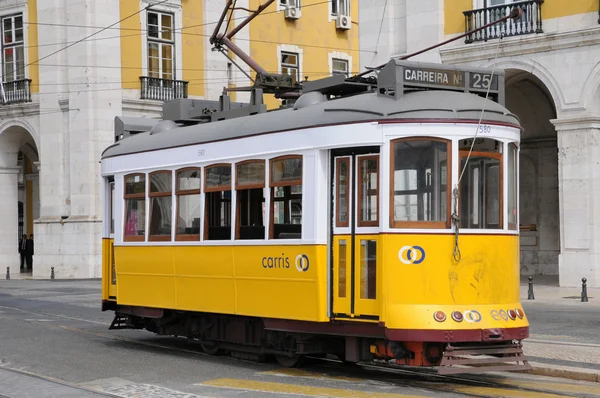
{"type": "Point", "coordinates": [55, 342]}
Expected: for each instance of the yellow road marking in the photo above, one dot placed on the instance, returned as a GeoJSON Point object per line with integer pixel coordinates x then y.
{"type": "Point", "coordinates": [296, 389]}
{"type": "Point", "coordinates": [499, 392]}
{"type": "Point", "coordinates": [557, 387]}
{"type": "Point", "coordinates": [295, 372]}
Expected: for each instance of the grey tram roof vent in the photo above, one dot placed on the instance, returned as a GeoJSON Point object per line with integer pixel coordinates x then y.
{"type": "Point", "coordinates": [399, 77]}
{"type": "Point", "coordinates": [127, 126]}
{"type": "Point", "coordinates": [309, 99]}
{"type": "Point", "coordinates": [162, 126]}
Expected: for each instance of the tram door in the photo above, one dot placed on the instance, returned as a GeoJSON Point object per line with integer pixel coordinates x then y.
{"type": "Point", "coordinates": [355, 220]}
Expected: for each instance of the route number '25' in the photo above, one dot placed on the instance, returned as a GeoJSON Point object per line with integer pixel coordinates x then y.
{"type": "Point", "coordinates": [481, 81]}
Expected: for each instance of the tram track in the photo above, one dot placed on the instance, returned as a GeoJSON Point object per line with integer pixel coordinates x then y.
{"type": "Point", "coordinates": [403, 377]}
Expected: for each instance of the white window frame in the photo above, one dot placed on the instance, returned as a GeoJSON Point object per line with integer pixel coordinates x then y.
{"type": "Point", "coordinates": [18, 7]}
{"type": "Point", "coordinates": [171, 7]}
{"type": "Point", "coordinates": [332, 16]}
{"type": "Point", "coordinates": [342, 56]}
{"type": "Point", "coordinates": [477, 4]}
{"type": "Point", "coordinates": [288, 48]}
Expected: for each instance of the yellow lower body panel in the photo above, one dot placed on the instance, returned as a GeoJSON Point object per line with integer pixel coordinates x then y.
{"type": "Point", "coordinates": [286, 282]}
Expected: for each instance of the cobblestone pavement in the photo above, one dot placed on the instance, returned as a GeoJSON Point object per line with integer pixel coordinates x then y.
{"type": "Point", "coordinates": [56, 342]}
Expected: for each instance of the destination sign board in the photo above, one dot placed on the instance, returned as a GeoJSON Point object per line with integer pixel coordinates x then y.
{"type": "Point", "coordinates": [477, 81]}
{"type": "Point", "coordinates": [436, 77]}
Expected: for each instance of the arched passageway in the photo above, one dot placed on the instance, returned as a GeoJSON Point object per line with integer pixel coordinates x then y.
{"type": "Point", "coordinates": [529, 98]}
{"type": "Point", "coordinates": [19, 196]}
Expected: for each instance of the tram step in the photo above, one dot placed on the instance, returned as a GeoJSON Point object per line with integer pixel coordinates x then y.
{"type": "Point", "coordinates": [120, 322]}
{"type": "Point", "coordinates": [506, 357]}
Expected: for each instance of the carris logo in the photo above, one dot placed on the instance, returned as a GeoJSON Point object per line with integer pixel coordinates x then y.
{"type": "Point", "coordinates": [302, 263]}
{"type": "Point", "coordinates": [411, 255]}
{"type": "Point", "coordinates": [276, 262]}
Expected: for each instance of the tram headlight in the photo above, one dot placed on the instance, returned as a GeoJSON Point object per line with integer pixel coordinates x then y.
{"type": "Point", "coordinates": [512, 314]}
{"type": "Point", "coordinates": [439, 316]}
{"type": "Point", "coordinates": [457, 316]}
{"type": "Point", "coordinates": [520, 313]}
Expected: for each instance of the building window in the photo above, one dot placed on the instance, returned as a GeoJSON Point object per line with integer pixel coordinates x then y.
{"type": "Point", "coordinates": [161, 204]}
{"type": "Point", "coordinates": [290, 65]}
{"type": "Point", "coordinates": [340, 7]}
{"type": "Point", "coordinates": [289, 3]}
{"type": "Point", "coordinates": [161, 45]}
{"type": "Point", "coordinates": [13, 54]}
{"type": "Point", "coordinates": [188, 204]}
{"type": "Point", "coordinates": [135, 207]}
{"type": "Point", "coordinates": [286, 197]}
{"type": "Point", "coordinates": [339, 67]}
{"type": "Point", "coordinates": [250, 184]}
{"type": "Point", "coordinates": [218, 202]}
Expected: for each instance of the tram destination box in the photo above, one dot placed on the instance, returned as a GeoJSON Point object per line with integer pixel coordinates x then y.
{"type": "Point", "coordinates": [402, 76]}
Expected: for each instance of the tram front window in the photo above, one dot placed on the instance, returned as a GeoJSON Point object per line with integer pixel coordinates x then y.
{"type": "Point", "coordinates": [420, 181]}
{"type": "Point", "coordinates": [480, 186]}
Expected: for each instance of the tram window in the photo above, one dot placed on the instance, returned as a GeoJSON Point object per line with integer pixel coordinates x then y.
{"type": "Point", "coordinates": [512, 186]}
{"type": "Point", "coordinates": [218, 202]}
{"type": "Point", "coordinates": [135, 207]}
{"type": "Point", "coordinates": [161, 205]}
{"type": "Point", "coordinates": [250, 184]}
{"type": "Point", "coordinates": [112, 207]}
{"type": "Point", "coordinates": [368, 269]}
{"type": "Point", "coordinates": [188, 204]}
{"type": "Point", "coordinates": [342, 269]}
{"type": "Point", "coordinates": [286, 194]}
{"type": "Point", "coordinates": [342, 192]}
{"type": "Point", "coordinates": [368, 191]}
{"type": "Point", "coordinates": [420, 182]}
{"type": "Point", "coordinates": [481, 185]}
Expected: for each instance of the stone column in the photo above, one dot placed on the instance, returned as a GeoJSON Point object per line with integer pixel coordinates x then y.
{"type": "Point", "coordinates": [9, 218]}
{"type": "Point", "coordinates": [579, 200]}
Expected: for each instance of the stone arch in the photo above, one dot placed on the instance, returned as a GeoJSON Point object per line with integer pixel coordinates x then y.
{"type": "Point", "coordinates": [537, 70]}
{"type": "Point", "coordinates": [591, 95]}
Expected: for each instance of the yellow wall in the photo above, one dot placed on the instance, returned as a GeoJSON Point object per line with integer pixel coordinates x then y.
{"type": "Point", "coordinates": [32, 43]}
{"type": "Point", "coordinates": [131, 45]}
{"type": "Point", "coordinates": [193, 47]}
{"type": "Point", "coordinates": [455, 22]}
{"type": "Point", "coordinates": [313, 28]}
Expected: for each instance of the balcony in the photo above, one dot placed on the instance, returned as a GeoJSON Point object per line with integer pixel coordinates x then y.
{"type": "Point", "coordinates": [154, 88]}
{"type": "Point", "coordinates": [16, 92]}
{"type": "Point", "coordinates": [530, 22]}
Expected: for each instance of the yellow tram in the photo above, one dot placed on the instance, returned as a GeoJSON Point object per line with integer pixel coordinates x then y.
{"type": "Point", "coordinates": [373, 220]}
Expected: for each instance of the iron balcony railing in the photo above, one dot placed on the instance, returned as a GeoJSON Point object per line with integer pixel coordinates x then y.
{"type": "Point", "coordinates": [154, 88]}
{"type": "Point", "coordinates": [16, 92]}
{"type": "Point", "coordinates": [530, 22]}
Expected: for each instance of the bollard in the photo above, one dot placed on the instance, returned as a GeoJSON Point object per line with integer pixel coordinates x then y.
{"type": "Point", "coordinates": [530, 295]}
{"type": "Point", "coordinates": [7, 272]}
{"type": "Point", "coordinates": [52, 273]}
{"type": "Point", "coordinates": [584, 297]}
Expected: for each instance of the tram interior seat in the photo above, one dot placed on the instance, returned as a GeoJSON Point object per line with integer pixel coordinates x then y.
{"type": "Point", "coordinates": [252, 232]}
{"type": "Point", "coordinates": [287, 231]}
{"type": "Point", "coordinates": [219, 233]}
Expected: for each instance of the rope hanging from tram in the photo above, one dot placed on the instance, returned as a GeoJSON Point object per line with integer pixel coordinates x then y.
{"type": "Point", "coordinates": [455, 218]}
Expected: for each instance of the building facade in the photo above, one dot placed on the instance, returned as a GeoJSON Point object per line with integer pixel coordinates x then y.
{"type": "Point", "coordinates": [69, 67]}
{"type": "Point", "coordinates": [551, 57]}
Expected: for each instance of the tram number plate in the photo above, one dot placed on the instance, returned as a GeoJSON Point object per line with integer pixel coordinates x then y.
{"type": "Point", "coordinates": [484, 129]}
{"type": "Point", "coordinates": [201, 152]}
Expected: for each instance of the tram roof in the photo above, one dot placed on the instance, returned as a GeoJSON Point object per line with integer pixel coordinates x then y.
{"type": "Point", "coordinates": [420, 106]}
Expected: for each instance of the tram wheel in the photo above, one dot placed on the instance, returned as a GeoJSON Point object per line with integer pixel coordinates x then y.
{"type": "Point", "coordinates": [289, 362]}
{"type": "Point", "coordinates": [209, 347]}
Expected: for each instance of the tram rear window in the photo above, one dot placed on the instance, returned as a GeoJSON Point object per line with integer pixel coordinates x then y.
{"type": "Point", "coordinates": [420, 182]}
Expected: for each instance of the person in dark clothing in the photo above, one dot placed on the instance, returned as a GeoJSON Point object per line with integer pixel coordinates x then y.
{"type": "Point", "coordinates": [22, 248]}
{"type": "Point", "coordinates": [29, 252]}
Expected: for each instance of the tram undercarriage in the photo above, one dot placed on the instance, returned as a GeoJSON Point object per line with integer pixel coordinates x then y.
{"type": "Point", "coordinates": [258, 339]}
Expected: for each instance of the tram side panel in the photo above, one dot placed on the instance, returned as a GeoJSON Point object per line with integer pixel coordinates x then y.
{"type": "Point", "coordinates": [423, 277]}
{"type": "Point", "coordinates": [285, 282]}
